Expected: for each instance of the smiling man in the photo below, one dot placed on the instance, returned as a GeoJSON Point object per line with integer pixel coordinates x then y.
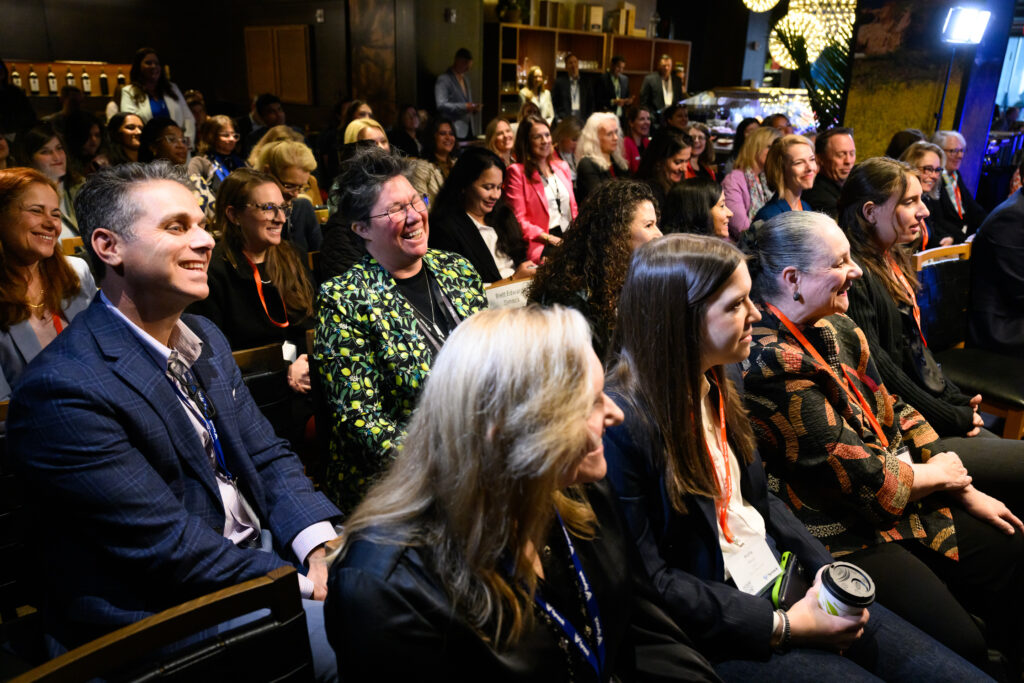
{"type": "Point", "coordinates": [836, 154]}
{"type": "Point", "coordinates": [136, 434]}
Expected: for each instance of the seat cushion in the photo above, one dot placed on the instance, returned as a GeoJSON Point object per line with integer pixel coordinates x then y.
{"type": "Point", "coordinates": [996, 377]}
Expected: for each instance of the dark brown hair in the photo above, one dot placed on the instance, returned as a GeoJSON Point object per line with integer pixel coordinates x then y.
{"type": "Point", "coordinates": [657, 367]}
{"type": "Point", "coordinates": [522, 146]}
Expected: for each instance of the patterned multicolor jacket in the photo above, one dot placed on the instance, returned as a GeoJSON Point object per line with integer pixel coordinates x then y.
{"type": "Point", "coordinates": [372, 362]}
{"type": "Point", "coordinates": [831, 468]}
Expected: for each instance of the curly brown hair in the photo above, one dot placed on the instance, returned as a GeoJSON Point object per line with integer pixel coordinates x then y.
{"type": "Point", "coordinates": [593, 258]}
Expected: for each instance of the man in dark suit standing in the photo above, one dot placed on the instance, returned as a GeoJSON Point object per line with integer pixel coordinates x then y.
{"type": "Point", "coordinates": [996, 313]}
{"type": "Point", "coordinates": [137, 437]}
{"type": "Point", "coordinates": [572, 94]}
{"type": "Point", "coordinates": [662, 88]}
{"type": "Point", "coordinates": [614, 88]}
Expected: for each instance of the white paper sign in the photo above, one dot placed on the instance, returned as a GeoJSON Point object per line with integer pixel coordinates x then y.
{"type": "Point", "coordinates": [508, 294]}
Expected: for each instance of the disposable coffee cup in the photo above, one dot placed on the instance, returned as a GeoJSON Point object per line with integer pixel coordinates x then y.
{"type": "Point", "coordinates": [845, 590]}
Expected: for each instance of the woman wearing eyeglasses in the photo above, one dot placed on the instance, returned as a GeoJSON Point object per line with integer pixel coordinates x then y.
{"type": "Point", "coordinates": [380, 324]}
{"type": "Point", "coordinates": [259, 290]}
{"type": "Point", "coordinates": [218, 156]}
{"type": "Point", "coordinates": [956, 207]}
{"type": "Point", "coordinates": [292, 164]}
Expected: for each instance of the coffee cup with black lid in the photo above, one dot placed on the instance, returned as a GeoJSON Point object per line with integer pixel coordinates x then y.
{"type": "Point", "coordinates": [845, 590]}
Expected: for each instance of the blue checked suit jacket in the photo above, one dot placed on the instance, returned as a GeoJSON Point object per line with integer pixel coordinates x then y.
{"type": "Point", "coordinates": [129, 518]}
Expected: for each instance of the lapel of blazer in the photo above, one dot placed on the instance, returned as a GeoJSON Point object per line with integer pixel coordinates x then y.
{"type": "Point", "coordinates": [538, 188]}
{"type": "Point", "coordinates": [25, 340]}
{"type": "Point", "coordinates": [132, 362]}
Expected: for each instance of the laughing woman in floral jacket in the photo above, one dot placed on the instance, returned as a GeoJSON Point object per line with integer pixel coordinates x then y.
{"type": "Point", "coordinates": [381, 323]}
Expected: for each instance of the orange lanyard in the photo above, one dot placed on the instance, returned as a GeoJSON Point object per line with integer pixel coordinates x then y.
{"type": "Point", "coordinates": [849, 387]}
{"type": "Point", "coordinates": [959, 200]}
{"type": "Point", "coordinates": [901, 278]}
{"type": "Point", "coordinates": [924, 238]}
{"type": "Point", "coordinates": [57, 324]}
{"type": "Point", "coordinates": [722, 502]}
{"type": "Point", "coordinates": [259, 290]}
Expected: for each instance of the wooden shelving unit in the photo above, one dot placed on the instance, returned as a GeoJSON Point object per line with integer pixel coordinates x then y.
{"type": "Point", "coordinates": [508, 45]}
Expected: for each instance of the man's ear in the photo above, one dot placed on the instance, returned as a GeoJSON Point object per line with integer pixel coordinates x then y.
{"type": "Point", "coordinates": [106, 244]}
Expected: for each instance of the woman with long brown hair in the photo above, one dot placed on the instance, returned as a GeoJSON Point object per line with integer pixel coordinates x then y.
{"type": "Point", "coordinates": [689, 479]}
{"type": "Point", "coordinates": [41, 290]}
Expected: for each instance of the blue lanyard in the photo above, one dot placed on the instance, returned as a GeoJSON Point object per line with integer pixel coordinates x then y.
{"type": "Point", "coordinates": [596, 661]}
{"type": "Point", "coordinates": [205, 405]}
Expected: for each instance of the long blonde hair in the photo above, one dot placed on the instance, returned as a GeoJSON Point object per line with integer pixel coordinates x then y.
{"type": "Point", "coordinates": [752, 146]}
{"type": "Point", "coordinates": [499, 424]}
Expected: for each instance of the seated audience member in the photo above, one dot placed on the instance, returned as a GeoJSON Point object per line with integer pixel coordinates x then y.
{"type": "Point", "coordinates": [746, 186]}
{"type": "Point", "coordinates": [676, 117]}
{"type": "Point", "coordinates": [86, 148]}
{"type": "Point", "coordinates": [695, 494]}
{"type": "Point", "coordinates": [663, 164]}
{"type": "Point", "coordinates": [367, 129]}
{"type": "Point", "coordinates": [41, 290]}
{"type": "Point", "coordinates": [428, 174]}
{"type": "Point", "coordinates": [150, 94]}
{"type": "Point", "coordinates": [470, 219]}
{"type": "Point", "coordinates": [957, 204]}
{"type": "Point", "coordinates": [42, 148]}
{"type": "Point", "coordinates": [135, 423]}
{"type": "Point", "coordinates": [599, 154]}
{"type": "Point", "coordinates": [880, 211]}
{"type": "Point", "coordinates": [790, 168]}
{"type": "Point", "coordinates": [271, 114]}
{"type": "Point", "coordinates": [217, 156]}
{"type": "Point", "coordinates": [6, 161]}
{"type": "Point", "coordinates": [745, 127]}
{"type": "Point", "coordinates": [565, 137]}
{"type": "Point", "coordinates": [779, 122]}
{"type": "Point", "coordinates": [500, 139]}
{"type": "Point", "coordinates": [292, 165]}
{"type": "Point", "coordinates": [696, 206]}
{"type": "Point", "coordinates": [929, 160]}
{"type": "Point", "coordinates": [499, 554]}
{"type": "Point", "coordinates": [270, 136]}
{"type": "Point", "coordinates": [404, 136]}
{"type": "Point", "coordinates": [996, 312]}
{"type": "Point", "coordinates": [638, 136]}
{"type": "Point", "coordinates": [860, 467]}
{"type": "Point", "coordinates": [381, 323]}
{"type": "Point", "coordinates": [835, 153]}
{"type": "Point", "coordinates": [124, 135]}
{"type": "Point", "coordinates": [162, 138]}
{"type": "Point", "coordinates": [902, 140]}
{"type": "Point", "coordinates": [702, 161]}
{"type": "Point", "coordinates": [538, 187]}
{"type": "Point", "coordinates": [197, 105]}
{"type": "Point", "coordinates": [536, 91]}
{"type": "Point", "coordinates": [572, 94]}
{"type": "Point", "coordinates": [587, 271]}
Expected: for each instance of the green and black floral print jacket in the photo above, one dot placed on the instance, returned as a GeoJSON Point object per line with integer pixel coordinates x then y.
{"type": "Point", "coordinates": [372, 361]}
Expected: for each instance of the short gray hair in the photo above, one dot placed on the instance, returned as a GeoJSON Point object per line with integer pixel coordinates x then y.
{"type": "Point", "coordinates": [940, 138]}
{"type": "Point", "coordinates": [789, 239]}
{"type": "Point", "coordinates": [105, 200]}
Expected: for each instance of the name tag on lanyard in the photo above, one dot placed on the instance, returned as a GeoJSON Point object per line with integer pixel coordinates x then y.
{"type": "Point", "coordinates": [753, 567]}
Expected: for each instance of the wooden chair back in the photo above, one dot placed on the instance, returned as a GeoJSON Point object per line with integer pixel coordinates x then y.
{"type": "Point", "coordinates": [70, 245]}
{"type": "Point", "coordinates": [945, 276]}
{"type": "Point", "coordinates": [270, 648]}
{"type": "Point", "coordinates": [265, 373]}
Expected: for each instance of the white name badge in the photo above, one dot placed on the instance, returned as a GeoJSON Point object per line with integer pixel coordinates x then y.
{"type": "Point", "coordinates": [752, 567]}
{"type": "Point", "coordinates": [904, 454]}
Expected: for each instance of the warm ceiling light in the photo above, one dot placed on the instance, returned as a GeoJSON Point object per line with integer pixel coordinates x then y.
{"type": "Point", "coordinates": [797, 24]}
{"type": "Point", "coordinates": [760, 5]}
{"type": "Point", "coordinates": [835, 16]}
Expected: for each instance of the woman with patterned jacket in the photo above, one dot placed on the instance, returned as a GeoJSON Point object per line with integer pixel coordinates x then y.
{"type": "Point", "coordinates": [381, 323]}
{"type": "Point", "coordinates": [859, 466]}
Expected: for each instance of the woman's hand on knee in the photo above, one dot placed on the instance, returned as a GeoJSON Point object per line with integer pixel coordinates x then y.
{"type": "Point", "coordinates": [991, 510]}
{"type": "Point", "coordinates": [814, 627]}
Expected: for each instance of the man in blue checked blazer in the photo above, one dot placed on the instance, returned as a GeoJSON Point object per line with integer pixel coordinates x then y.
{"type": "Point", "coordinates": [156, 477]}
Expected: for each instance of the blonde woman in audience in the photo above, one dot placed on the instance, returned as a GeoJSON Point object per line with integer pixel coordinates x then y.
{"type": "Point", "coordinates": [536, 91]}
{"type": "Point", "coordinates": [599, 154]}
{"type": "Point", "coordinates": [217, 154]}
{"type": "Point", "coordinates": [790, 167]}
{"type": "Point", "coordinates": [492, 549]}
{"type": "Point", "coordinates": [565, 138]}
{"type": "Point", "coordinates": [274, 134]}
{"type": "Point", "coordinates": [292, 164]}
{"type": "Point", "coordinates": [746, 186]}
{"type": "Point", "coordinates": [367, 129]}
{"type": "Point", "coordinates": [41, 290]}
{"type": "Point", "coordinates": [501, 139]}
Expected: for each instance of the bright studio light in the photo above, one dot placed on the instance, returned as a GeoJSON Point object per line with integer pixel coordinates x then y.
{"type": "Point", "coordinates": [965, 25]}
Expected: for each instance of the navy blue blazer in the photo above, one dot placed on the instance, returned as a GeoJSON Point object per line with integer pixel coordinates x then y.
{"type": "Point", "coordinates": [129, 519]}
{"type": "Point", "coordinates": [681, 552]}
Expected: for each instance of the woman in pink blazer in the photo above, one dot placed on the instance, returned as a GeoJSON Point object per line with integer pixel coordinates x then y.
{"type": "Point", "coordinates": [539, 188]}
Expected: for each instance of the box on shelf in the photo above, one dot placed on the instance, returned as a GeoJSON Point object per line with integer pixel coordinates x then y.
{"type": "Point", "coordinates": [638, 33]}
{"type": "Point", "coordinates": [547, 13]}
{"type": "Point", "coordinates": [616, 23]}
{"type": "Point", "coordinates": [590, 17]}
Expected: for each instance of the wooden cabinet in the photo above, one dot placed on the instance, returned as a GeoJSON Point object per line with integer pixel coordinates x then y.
{"type": "Point", "coordinates": [508, 46]}
{"type": "Point", "coordinates": [277, 61]}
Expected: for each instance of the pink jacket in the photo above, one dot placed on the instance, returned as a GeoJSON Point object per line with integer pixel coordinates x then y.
{"type": "Point", "coordinates": [737, 198]}
{"type": "Point", "coordinates": [530, 204]}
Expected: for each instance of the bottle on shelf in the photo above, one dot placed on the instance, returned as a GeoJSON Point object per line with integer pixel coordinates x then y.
{"type": "Point", "coordinates": [51, 81]}
{"type": "Point", "coordinates": [120, 78]}
{"type": "Point", "coordinates": [33, 81]}
{"type": "Point", "coordinates": [69, 78]}
{"type": "Point", "coordinates": [86, 82]}
{"type": "Point", "coordinates": [104, 84]}
{"type": "Point", "coordinates": [16, 78]}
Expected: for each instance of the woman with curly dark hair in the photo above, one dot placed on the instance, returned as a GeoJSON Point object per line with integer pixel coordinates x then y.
{"type": "Point", "coordinates": [587, 271]}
